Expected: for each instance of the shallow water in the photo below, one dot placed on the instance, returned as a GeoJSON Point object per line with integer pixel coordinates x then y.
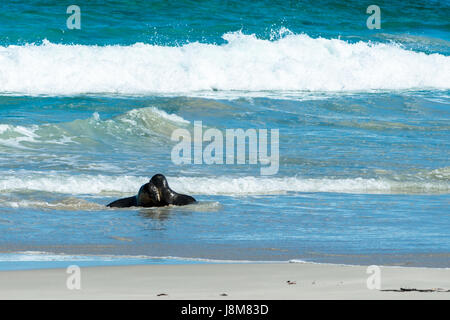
{"type": "Point", "coordinates": [86, 117]}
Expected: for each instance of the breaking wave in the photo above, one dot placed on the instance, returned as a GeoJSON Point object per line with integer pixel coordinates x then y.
{"type": "Point", "coordinates": [145, 122]}
{"type": "Point", "coordinates": [294, 62]}
{"type": "Point", "coordinates": [117, 185]}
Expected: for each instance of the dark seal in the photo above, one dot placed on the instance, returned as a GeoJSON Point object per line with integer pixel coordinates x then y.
{"type": "Point", "coordinates": [167, 195]}
{"type": "Point", "coordinates": [155, 193]}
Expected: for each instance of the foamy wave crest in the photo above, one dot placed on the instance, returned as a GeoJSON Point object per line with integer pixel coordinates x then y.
{"type": "Point", "coordinates": [145, 122]}
{"type": "Point", "coordinates": [244, 63]}
{"type": "Point", "coordinates": [80, 184]}
{"type": "Point", "coordinates": [253, 185]}
{"type": "Point", "coordinates": [102, 184]}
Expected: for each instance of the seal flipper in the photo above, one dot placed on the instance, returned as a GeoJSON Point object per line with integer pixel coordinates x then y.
{"type": "Point", "coordinates": [181, 199]}
{"type": "Point", "coordinates": [124, 203]}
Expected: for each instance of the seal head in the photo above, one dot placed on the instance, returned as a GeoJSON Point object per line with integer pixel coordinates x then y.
{"type": "Point", "coordinates": [148, 196]}
{"type": "Point", "coordinates": [168, 196]}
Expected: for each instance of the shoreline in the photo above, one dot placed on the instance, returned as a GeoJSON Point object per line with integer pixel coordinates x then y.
{"type": "Point", "coordinates": [40, 258]}
{"type": "Point", "coordinates": [227, 281]}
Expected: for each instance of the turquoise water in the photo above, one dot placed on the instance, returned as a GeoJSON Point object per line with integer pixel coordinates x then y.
{"type": "Point", "coordinates": [86, 117]}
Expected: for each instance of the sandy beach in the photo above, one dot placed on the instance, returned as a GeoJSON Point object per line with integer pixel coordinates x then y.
{"type": "Point", "coordinates": [226, 281]}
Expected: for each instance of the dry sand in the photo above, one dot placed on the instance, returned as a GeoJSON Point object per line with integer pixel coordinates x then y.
{"type": "Point", "coordinates": [225, 281]}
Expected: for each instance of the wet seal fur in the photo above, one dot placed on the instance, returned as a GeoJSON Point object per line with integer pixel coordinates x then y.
{"type": "Point", "coordinates": [155, 193]}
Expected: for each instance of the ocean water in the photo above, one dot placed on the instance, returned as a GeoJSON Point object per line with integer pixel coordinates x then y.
{"type": "Point", "coordinates": [86, 117]}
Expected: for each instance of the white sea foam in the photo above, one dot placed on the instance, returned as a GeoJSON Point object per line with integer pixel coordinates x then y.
{"type": "Point", "coordinates": [169, 116]}
{"type": "Point", "coordinates": [144, 114]}
{"type": "Point", "coordinates": [244, 63]}
{"type": "Point", "coordinates": [79, 184]}
{"type": "Point", "coordinates": [256, 185]}
{"type": "Point", "coordinates": [440, 173]}
{"type": "Point", "coordinates": [13, 136]}
{"type": "Point", "coordinates": [103, 184]}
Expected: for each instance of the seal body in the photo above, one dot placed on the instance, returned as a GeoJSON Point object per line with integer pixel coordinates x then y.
{"type": "Point", "coordinates": [155, 193]}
